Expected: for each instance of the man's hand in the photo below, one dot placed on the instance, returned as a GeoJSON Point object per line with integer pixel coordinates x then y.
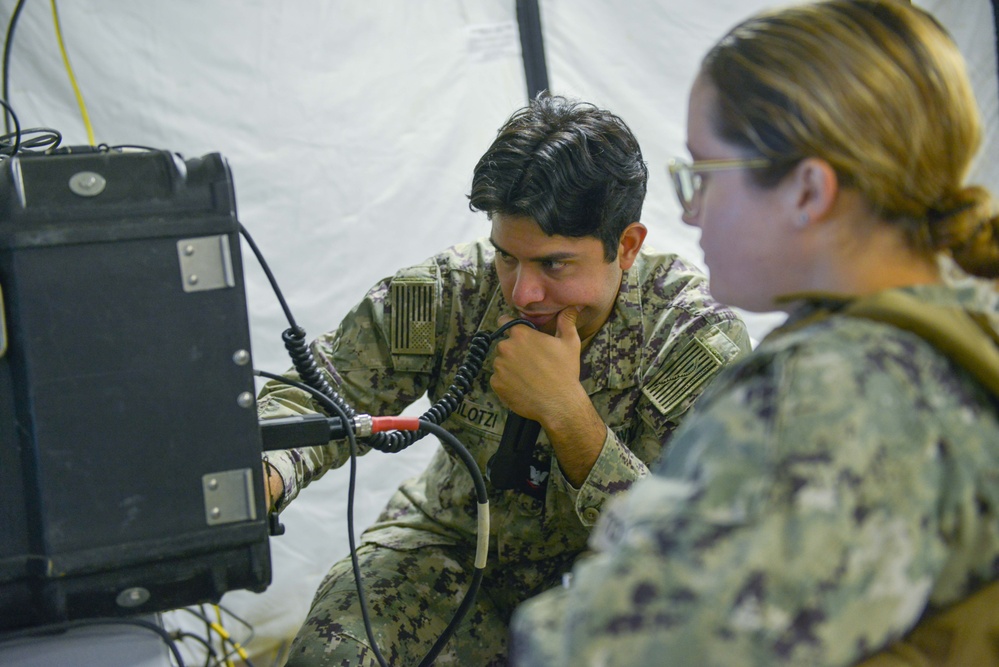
{"type": "Point", "coordinates": [533, 369]}
{"type": "Point", "coordinates": [273, 486]}
{"type": "Point", "coordinates": [537, 377]}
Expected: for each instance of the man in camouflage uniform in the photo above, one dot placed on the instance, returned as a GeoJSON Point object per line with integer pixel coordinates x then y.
{"type": "Point", "coordinates": [626, 340]}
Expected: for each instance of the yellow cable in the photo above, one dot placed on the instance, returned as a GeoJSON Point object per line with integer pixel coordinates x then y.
{"type": "Point", "coordinates": [72, 79]}
{"type": "Point", "coordinates": [221, 632]}
{"type": "Point", "coordinates": [226, 638]}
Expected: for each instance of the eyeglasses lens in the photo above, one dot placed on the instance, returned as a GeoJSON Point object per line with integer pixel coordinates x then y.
{"type": "Point", "coordinates": [685, 181]}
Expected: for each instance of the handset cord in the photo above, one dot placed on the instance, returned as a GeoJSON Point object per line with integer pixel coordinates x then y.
{"type": "Point", "coordinates": [395, 441]}
{"type": "Point", "coordinates": [391, 441]}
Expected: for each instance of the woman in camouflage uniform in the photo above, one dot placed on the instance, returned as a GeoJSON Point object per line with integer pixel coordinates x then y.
{"type": "Point", "coordinates": [843, 480]}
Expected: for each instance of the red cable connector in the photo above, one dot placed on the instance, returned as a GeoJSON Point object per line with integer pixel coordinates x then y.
{"type": "Point", "coordinates": [379, 424]}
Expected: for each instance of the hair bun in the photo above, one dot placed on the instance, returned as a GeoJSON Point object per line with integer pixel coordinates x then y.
{"type": "Point", "coordinates": [965, 223]}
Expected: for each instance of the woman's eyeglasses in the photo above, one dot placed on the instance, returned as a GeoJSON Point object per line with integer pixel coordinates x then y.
{"type": "Point", "coordinates": [687, 178]}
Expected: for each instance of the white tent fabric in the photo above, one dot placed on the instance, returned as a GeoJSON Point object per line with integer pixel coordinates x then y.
{"type": "Point", "coordinates": [352, 129]}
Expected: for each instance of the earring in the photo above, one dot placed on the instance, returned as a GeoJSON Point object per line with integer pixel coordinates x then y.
{"type": "Point", "coordinates": [802, 220]}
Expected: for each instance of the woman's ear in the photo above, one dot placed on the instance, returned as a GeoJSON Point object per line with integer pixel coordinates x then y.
{"type": "Point", "coordinates": [816, 187]}
{"type": "Point", "coordinates": [631, 242]}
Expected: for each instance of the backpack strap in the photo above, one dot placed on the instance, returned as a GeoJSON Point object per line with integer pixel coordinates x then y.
{"type": "Point", "coordinates": [958, 636]}
{"type": "Point", "coordinates": [968, 340]}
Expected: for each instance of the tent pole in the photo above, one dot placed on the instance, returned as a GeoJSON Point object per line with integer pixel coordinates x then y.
{"type": "Point", "coordinates": [533, 47]}
{"type": "Point", "coordinates": [995, 20]}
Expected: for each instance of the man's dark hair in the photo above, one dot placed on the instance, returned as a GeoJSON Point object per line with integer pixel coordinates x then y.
{"type": "Point", "coordinates": [574, 169]}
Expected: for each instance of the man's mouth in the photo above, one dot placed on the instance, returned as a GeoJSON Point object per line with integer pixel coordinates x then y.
{"type": "Point", "coordinates": [538, 320]}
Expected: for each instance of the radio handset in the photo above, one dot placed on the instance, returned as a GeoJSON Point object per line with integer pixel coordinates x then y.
{"type": "Point", "coordinates": [510, 466]}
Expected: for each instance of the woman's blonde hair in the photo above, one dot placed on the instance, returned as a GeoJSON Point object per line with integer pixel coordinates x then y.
{"type": "Point", "coordinates": [878, 89]}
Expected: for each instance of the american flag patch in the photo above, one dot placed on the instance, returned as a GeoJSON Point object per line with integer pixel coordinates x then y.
{"type": "Point", "coordinates": [414, 308]}
{"type": "Point", "coordinates": [684, 372]}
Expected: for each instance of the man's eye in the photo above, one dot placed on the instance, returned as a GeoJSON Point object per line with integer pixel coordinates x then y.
{"type": "Point", "coordinates": [554, 265]}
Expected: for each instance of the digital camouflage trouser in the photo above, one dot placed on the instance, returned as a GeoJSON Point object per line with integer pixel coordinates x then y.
{"type": "Point", "coordinates": [411, 597]}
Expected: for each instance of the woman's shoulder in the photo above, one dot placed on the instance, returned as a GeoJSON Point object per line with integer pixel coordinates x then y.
{"type": "Point", "coordinates": [851, 351]}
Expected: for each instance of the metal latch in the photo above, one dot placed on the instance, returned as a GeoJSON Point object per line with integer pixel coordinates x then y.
{"type": "Point", "coordinates": [229, 496]}
{"type": "Point", "coordinates": [205, 263]}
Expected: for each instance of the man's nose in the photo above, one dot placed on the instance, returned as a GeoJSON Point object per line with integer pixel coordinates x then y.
{"type": "Point", "coordinates": [528, 288]}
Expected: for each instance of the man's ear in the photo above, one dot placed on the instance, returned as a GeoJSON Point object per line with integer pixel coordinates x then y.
{"type": "Point", "coordinates": [631, 242]}
{"type": "Point", "coordinates": [816, 188]}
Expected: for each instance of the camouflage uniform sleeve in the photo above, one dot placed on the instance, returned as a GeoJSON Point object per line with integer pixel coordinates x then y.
{"type": "Point", "coordinates": [615, 470]}
{"type": "Point", "coordinates": [771, 534]}
{"type": "Point", "coordinates": [357, 360]}
{"type": "Point", "coordinates": [626, 456]}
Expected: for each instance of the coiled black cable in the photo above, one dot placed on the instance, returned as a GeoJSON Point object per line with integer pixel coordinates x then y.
{"type": "Point", "coordinates": [305, 363]}
{"type": "Point", "coordinates": [393, 442]}
{"type": "Point", "coordinates": [475, 357]}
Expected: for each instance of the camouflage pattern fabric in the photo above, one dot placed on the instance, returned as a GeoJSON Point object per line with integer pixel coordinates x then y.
{"type": "Point", "coordinates": [825, 491]}
{"type": "Point", "coordinates": [642, 370]}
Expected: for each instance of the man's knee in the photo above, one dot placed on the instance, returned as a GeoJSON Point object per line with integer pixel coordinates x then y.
{"type": "Point", "coordinates": [328, 645]}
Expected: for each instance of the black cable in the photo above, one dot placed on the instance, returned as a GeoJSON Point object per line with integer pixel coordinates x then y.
{"type": "Point", "coordinates": [351, 485]}
{"type": "Point", "coordinates": [481, 494]}
{"type": "Point", "coordinates": [211, 655]}
{"type": "Point", "coordinates": [200, 615]}
{"type": "Point", "coordinates": [270, 276]}
{"type": "Point", "coordinates": [294, 337]}
{"type": "Point", "coordinates": [48, 140]}
{"type": "Point", "coordinates": [483, 499]}
{"type": "Point", "coordinates": [224, 636]}
{"type": "Point", "coordinates": [395, 441]}
{"type": "Point", "coordinates": [59, 628]}
{"type": "Point", "coordinates": [9, 112]}
{"type": "Point", "coordinates": [8, 41]}
{"type": "Point", "coordinates": [325, 397]}
{"type": "Point", "coordinates": [208, 630]}
{"type": "Point", "coordinates": [317, 386]}
{"type": "Point", "coordinates": [241, 621]}
{"type": "Point", "coordinates": [443, 407]}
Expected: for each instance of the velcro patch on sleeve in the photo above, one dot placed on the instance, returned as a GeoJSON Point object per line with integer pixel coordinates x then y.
{"type": "Point", "coordinates": [414, 311]}
{"type": "Point", "coordinates": [684, 372]}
